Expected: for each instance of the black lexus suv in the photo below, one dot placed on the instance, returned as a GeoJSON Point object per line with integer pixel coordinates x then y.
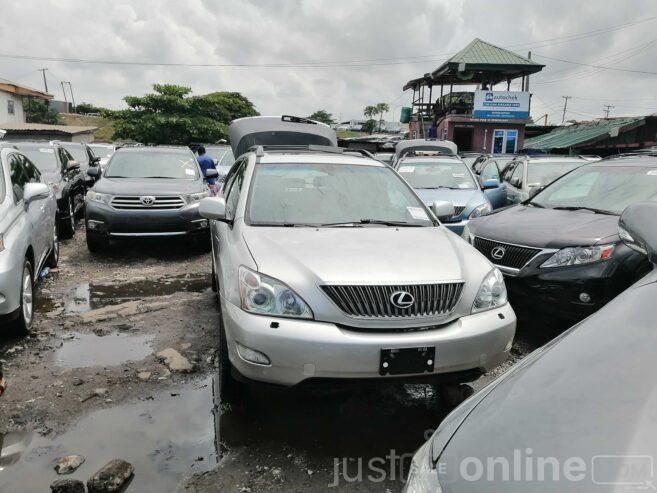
{"type": "Point", "coordinates": [560, 251]}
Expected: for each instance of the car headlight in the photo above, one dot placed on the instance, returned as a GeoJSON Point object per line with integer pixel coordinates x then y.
{"type": "Point", "coordinates": [579, 255]}
{"type": "Point", "coordinates": [492, 292]}
{"type": "Point", "coordinates": [266, 296]}
{"type": "Point", "coordinates": [467, 235]}
{"type": "Point", "coordinates": [423, 476]}
{"type": "Point", "coordinates": [192, 198]}
{"type": "Point", "coordinates": [481, 210]}
{"type": "Point", "coordinates": [102, 198]}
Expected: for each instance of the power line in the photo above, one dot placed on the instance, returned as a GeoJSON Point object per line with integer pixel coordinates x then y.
{"type": "Point", "coordinates": [604, 67]}
{"type": "Point", "coordinates": [607, 107]}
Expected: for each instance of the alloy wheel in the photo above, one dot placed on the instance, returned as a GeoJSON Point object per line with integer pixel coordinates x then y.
{"type": "Point", "coordinates": [28, 297]}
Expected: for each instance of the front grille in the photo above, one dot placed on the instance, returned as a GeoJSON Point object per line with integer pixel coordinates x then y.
{"type": "Point", "coordinates": [375, 301]}
{"type": "Point", "coordinates": [161, 203]}
{"type": "Point", "coordinates": [513, 256]}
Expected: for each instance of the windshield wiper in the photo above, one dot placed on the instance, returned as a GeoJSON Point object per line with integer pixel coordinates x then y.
{"type": "Point", "coordinates": [438, 188]}
{"type": "Point", "coordinates": [580, 208]}
{"type": "Point", "coordinates": [373, 221]}
{"type": "Point", "coordinates": [534, 204]}
{"type": "Point", "coordinates": [165, 177]}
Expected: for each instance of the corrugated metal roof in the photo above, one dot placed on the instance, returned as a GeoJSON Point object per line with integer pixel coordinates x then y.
{"type": "Point", "coordinates": [42, 127]}
{"type": "Point", "coordinates": [479, 52]}
{"type": "Point", "coordinates": [582, 133]}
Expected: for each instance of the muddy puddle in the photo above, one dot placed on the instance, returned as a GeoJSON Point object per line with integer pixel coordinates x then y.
{"type": "Point", "coordinates": [81, 350]}
{"type": "Point", "coordinates": [165, 436]}
{"type": "Point", "coordinates": [89, 296]}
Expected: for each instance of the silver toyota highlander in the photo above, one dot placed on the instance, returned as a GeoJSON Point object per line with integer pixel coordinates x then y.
{"type": "Point", "coordinates": [329, 266]}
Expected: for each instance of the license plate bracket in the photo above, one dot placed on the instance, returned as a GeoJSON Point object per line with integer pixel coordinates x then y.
{"type": "Point", "coordinates": [405, 361]}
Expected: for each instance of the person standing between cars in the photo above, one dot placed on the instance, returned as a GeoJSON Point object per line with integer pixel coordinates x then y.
{"type": "Point", "coordinates": [205, 162]}
{"type": "Point", "coordinates": [433, 131]}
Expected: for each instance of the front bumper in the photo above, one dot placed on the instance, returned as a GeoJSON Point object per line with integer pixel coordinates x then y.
{"type": "Point", "coordinates": [307, 349]}
{"type": "Point", "coordinates": [557, 291]}
{"type": "Point", "coordinates": [104, 220]}
{"type": "Point", "coordinates": [456, 227]}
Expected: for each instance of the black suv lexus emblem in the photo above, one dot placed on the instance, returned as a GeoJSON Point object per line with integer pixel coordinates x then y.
{"type": "Point", "coordinates": [498, 252]}
{"type": "Point", "coordinates": [402, 299]}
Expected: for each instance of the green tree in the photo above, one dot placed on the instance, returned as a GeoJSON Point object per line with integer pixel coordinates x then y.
{"type": "Point", "coordinates": [88, 108]}
{"type": "Point", "coordinates": [322, 116]}
{"type": "Point", "coordinates": [370, 124]}
{"type": "Point", "coordinates": [381, 108]}
{"type": "Point", "coordinates": [170, 115]}
{"type": "Point", "coordinates": [37, 111]}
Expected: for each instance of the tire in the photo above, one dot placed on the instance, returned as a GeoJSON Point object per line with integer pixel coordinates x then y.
{"type": "Point", "coordinates": [97, 243]}
{"type": "Point", "coordinates": [53, 259]}
{"type": "Point", "coordinates": [67, 225]}
{"type": "Point", "coordinates": [228, 386]}
{"type": "Point", "coordinates": [25, 321]}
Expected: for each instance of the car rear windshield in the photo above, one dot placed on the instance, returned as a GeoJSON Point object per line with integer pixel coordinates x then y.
{"type": "Point", "coordinates": [42, 157]}
{"type": "Point", "coordinates": [545, 173]}
{"type": "Point", "coordinates": [332, 195]}
{"type": "Point", "coordinates": [149, 164]}
{"type": "Point", "coordinates": [607, 188]}
{"type": "Point", "coordinates": [437, 174]}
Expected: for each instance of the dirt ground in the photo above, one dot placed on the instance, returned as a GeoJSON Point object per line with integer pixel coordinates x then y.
{"type": "Point", "coordinates": [88, 381]}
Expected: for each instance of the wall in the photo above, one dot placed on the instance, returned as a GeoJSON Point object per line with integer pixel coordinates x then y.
{"type": "Point", "coordinates": [5, 117]}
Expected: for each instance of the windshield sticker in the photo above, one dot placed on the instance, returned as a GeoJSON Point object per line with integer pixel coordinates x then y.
{"type": "Point", "coordinates": [458, 175]}
{"type": "Point", "coordinates": [417, 213]}
{"type": "Point", "coordinates": [407, 169]}
{"type": "Point", "coordinates": [190, 172]}
{"type": "Point", "coordinates": [47, 151]}
{"type": "Point", "coordinates": [652, 172]}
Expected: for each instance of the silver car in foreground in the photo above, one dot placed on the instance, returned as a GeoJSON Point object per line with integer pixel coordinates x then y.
{"type": "Point", "coordinates": [577, 415]}
{"type": "Point", "coordinates": [329, 266]}
{"type": "Point", "coordinates": [28, 235]}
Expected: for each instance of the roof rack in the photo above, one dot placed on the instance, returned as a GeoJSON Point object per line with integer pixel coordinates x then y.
{"type": "Point", "coordinates": [261, 149]}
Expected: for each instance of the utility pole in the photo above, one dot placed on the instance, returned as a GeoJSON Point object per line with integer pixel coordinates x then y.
{"type": "Point", "coordinates": [45, 82]}
{"type": "Point", "coordinates": [65, 98]}
{"type": "Point", "coordinates": [529, 56]}
{"type": "Point", "coordinates": [606, 110]}
{"type": "Point", "coordinates": [565, 105]}
{"type": "Point", "coordinates": [72, 97]}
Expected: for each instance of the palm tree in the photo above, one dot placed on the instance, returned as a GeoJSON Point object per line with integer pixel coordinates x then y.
{"type": "Point", "coordinates": [381, 108]}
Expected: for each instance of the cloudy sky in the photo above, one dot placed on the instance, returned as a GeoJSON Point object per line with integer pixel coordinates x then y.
{"type": "Point", "coordinates": [338, 55]}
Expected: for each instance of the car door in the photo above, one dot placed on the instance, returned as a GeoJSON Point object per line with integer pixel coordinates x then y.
{"type": "Point", "coordinates": [515, 183]}
{"type": "Point", "coordinates": [506, 176]}
{"type": "Point", "coordinates": [224, 234]}
{"type": "Point", "coordinates": [497, 196]}
{"type": "Point", "coordinates": [74, 179]}
{"type": "Point", "coordinates": [47, 207]}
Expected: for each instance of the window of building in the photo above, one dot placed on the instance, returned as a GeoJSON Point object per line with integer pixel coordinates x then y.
{"type": "Point", "coordinates": [10, 107]}
{"type": "Point", "coordinates": [505, 142]}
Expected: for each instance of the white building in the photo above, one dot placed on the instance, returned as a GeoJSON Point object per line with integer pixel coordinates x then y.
{"type": "Point", "coordinates": [11, 101]}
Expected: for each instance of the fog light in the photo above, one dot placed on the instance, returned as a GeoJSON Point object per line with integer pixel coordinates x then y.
{"type": "Point", "coordinates": [585, 297]}
{"type": "Point", "coordinates": [200, 223]}
{"type": "Point", "coordinates": [91, 224]}
{"type": "Point", "coordinates": [252, 356]}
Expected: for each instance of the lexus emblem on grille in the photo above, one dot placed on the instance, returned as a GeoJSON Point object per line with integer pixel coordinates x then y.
{"type": "Point", "coordinates": [147, 200]}
{"type": "Point", "coordinates": [498, 252]}
{"type": "Point", "coordinates": [402, 299]}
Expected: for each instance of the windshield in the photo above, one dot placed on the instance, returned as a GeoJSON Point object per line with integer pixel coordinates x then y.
{"type": "Point", "coordinates": [149, 164]}
{"type": "Point", "coordinates": [79, 153]}
{"type": "Point", "coordinates": [607, 188]}
{"type": "Point", "coordinates": [545, 173]}
{"type": "Point", "coordinates": [102, 151]}
{"type": "Point", "coordinates": [437, 174]}
{"type": "Point", "coordinates": [42, 157]}
{"type": "Point", "coordinates": [326, 194]}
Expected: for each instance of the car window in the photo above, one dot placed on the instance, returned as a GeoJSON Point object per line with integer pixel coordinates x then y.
{"type": "Point", "coordinates": [79, 154]}
{"type": "Point", "coordinates": [233, 189]}
{"type": "Point", "coordinates": [323, 194]}
{"type": "Point", "coordinates": [2, 184]}
{"type": "Point", "coordinates": [153, 164]}
{"type": "Point", "coordinates": [33, 174]}
{"type": "Point", "coordinates": [545, 173]}
{"type": "Point", "coordinates": [19, 176]}
{"type": "Point", "coordinates": [490, 172]}
{"type": "Point", "coordinates": [44, 158]}
{"type": "Point", "coordinates": [437, 174]}
{"type": "Point", "coordinates": [506, 173]}
{"type": "Point", "coordinates": [227, 159]}
{"type": "Point", "coordinates": [516, 178]}
{"type": "Point", "coordinates": [609, 188]}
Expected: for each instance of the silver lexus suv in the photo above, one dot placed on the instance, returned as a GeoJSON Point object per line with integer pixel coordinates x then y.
{"type": "Point", "coordinates": [28, 235]}
{"type": "Point", "coordinates": [329, 266]}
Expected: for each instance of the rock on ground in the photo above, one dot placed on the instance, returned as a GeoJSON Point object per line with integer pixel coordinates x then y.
{"type": "Point", "coordinates": [111, 477]}
{"type": "Point", "coordinates": [175, 361]}
{"type": "Point", "coordinates": [68, 464]}
{"type": "Point", "coordinates": [67, 486]}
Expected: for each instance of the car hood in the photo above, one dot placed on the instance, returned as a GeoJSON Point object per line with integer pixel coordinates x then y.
{"type": "Point", "coordinates": [152, 186]}
{"type": "Point", "coordinates": [583, 396]}
{"type": "Point", "coordinates": [546, 228]}
{"type": "Point", "coordinates": [367, 255]}
{"type": "Point", "coordinates": [457, 197]}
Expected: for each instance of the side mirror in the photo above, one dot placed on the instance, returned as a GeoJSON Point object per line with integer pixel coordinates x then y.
{"type": "Point", "coordinates": [213, 208]}
{"type": "Point", "coordinates": [638, 228]}
{"type": "Point", "coordinates": [95, 161]}
{"type": "Point", "coordinates": [212, 173]}
{"type": "Point", "coordinates": [535, 191]}
{"type": "Point", "coordinates": [490, 184]}
{"type": "Point", "coordinates": [35, 191]}
{"type": "Point", "coordinates": [94, 172]}
{"type": "Point", "coordinates": [442, 208]}
{"type": "Point", "coordinates": [72, 164]}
